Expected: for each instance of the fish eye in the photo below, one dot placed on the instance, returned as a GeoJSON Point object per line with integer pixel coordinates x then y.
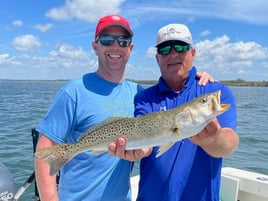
{"type": "Point", "coordinates": [204, 100]}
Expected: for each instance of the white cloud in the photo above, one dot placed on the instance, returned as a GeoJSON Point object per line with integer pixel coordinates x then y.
{"type": "Point", "coordinates": [64, 62]}
{"type": "Point", "coordinates": [221, 53]}
{"type": "Point", "coordinates": [227, 60]}
{"type": "Point", "coordinates": [26, 43]}
{"type": "Point", "coordinates": [17, 23]}
{"type": "Point", "coordinates": [70, 56]}
{"type": "Point", "coordinates": [3, 57]}
{"type": "Point", "coordinates": [86, 10]}
{"type": "Point", "coordinates": [150, 53]}
{"type": "Point", "coordinates": [43, 27]}
{"type": "Point", "coordinates": [205, 33]}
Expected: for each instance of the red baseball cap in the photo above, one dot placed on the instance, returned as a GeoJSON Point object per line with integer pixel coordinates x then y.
{"type": "Point", "coordinates": [111, 20]}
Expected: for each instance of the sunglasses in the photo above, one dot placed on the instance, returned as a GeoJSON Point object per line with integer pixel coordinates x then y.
{"type": "Point", "coordinates": [164, 50]}
{"type": "Point", "coordinates": [108, 40]}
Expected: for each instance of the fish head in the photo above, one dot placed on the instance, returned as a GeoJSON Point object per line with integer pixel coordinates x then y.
{"type": "Point", "coordinates": [192, 117]}
{"type": "Point", "coordinates": [209, 105]}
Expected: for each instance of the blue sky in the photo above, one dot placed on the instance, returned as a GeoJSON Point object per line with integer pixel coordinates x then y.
{"type": "Point", "coordinates": [52, 39]}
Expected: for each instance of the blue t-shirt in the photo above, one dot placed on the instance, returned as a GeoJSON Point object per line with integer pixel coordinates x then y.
{"type": "Point", "coordinates": [185, 172]}
{"type": "Point", "coordinates": [78, 105]}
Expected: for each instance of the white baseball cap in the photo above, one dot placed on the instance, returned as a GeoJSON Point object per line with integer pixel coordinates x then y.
{"type": "Point", "coordinates": [178, 32]}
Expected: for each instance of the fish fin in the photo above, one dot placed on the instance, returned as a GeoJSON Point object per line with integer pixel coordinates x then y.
{"type": "Point", "coordinates": [97, 126]}
{"type": "Point", "coordinates": [98, 152]}
{"type": "Point", "coordinates": [56, 156]}
{"type": "Point", "coordinates": [164, 148]}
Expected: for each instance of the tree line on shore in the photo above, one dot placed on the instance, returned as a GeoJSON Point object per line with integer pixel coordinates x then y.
{"type": "Point", "coordinates": [238, 82]}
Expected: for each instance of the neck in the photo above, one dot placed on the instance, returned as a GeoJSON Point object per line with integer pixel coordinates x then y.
{"type": "Point", "coordinates": [115, 76]}
{"type": "Point", "coordinates": [176, 86]}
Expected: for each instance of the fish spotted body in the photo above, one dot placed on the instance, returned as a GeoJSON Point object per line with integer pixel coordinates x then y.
{"type": "Point", "coordinates": [162, 129]}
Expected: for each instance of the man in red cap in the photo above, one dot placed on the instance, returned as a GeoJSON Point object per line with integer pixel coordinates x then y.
{"type": "Point", "coordinates": [85, 102]}
{"type": "Point", "coordinates": [82, 103]}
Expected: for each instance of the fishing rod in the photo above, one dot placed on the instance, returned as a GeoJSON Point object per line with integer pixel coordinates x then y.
{"type": "Point", "coordinates": [26, 185]}
{"type": "Point", "coordinates": [8, 190]}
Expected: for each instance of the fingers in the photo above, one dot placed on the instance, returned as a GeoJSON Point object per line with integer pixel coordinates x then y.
{"type": "Point", "coordinates": [204, 78]}
{"type": "Point", "coordinates": [118, 148]}
{"type": "Point", "coordinates": [213, 127]}
{"type": "Point", "coordinates": [208, 133]}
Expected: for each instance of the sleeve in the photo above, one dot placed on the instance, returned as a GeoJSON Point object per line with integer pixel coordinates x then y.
{"type": "Point", "coordinates": [142, 104]}
{"type": "Point", "coordinates": [59, 122]}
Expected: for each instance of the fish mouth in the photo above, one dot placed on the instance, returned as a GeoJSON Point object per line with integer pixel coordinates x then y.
{"type": "Point", "coordinates": [220, 107]}
{"type": "Point", "coordinates": [225, 107]}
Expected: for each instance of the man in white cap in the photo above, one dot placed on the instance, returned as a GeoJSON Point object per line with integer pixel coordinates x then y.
{"type": "Point", "coordinates": [191, 169]}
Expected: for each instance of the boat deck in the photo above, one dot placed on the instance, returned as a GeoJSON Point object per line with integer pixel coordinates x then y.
{"type": "Point", "coordinates": [236, 184]}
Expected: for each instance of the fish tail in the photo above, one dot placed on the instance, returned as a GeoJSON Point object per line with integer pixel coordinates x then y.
{"type": "Point", "coordinates": [56, 156]}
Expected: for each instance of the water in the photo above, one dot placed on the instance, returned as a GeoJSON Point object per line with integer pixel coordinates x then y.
{"type": "Point", "coordinates": [24, 103]}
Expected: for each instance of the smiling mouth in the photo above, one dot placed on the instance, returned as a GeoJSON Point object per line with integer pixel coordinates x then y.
{"type": "Point", "coordinates": [114, 56]}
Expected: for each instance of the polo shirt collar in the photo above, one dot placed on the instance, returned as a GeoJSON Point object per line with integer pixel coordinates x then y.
{"type": "Point", "coordinates": [163, 87]}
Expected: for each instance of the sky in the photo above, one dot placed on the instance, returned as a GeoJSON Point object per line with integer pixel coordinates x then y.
{"type": "Point", "coordinates": [51, 39]}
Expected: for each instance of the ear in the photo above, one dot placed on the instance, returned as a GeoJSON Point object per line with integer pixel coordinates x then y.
{"type": "Point", "coordinates": [193, 52]}
{"type": "Point", "coordinates": [156, 56]}
{"type": "Point", "coordinates": [95, 47]}
{"type": "Point", "coordinates": [131, 46]}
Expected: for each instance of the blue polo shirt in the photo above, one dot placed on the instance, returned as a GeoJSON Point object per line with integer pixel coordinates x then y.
{"type": "Point", "coordinates": [185, 172]}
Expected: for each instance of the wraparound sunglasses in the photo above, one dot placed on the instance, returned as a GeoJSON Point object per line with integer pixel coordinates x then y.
{"type": "Point", "coordinates": [108, 40]}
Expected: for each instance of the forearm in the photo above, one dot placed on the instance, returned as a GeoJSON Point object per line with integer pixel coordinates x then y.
{"type": "Point", "coordinates": [222, 144]}
{"type": "Point", "coordinates": [46, 184]}
{"type": "Point", "coordinates": [215, 140]}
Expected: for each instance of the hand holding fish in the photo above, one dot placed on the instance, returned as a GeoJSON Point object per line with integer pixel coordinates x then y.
{"type": "Point", "coordinates": [208, 135]}
{"type": "Point", "coordinates": [118, 148]}
{"type": "Point", "coordinates": [215, 140]}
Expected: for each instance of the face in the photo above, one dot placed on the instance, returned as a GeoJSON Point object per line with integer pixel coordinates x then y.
{"type": "Point", "coordinates": [112, 59]}
{"type": "Point", "coordinates": [174, 67]}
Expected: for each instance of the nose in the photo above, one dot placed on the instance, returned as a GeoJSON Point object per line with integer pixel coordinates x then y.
{"type": "Point", "coordinates": [115, 44]}
{"type": "Point", "coordinates": [173, 52]}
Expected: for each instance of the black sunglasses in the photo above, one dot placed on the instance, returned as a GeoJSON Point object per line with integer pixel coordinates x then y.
{"type": "Point", "coordinates": [166, 49]}
{"type": "Point", "coordinates": [108, 40]}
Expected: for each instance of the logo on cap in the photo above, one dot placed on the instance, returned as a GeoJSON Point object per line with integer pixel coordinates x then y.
{"type": "Point", "coordinates": [174, 32]}
{"type": "Point", "coordinates": [115, 17]}
{"type": "Point", "coordinates": [111, 20]}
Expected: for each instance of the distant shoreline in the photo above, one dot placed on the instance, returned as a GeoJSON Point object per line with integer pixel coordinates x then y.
{"type": "Point", "coordinates": [238, 82]}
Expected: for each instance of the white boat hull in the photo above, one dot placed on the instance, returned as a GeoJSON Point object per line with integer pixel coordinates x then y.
{"type": "Point", "coordinates": [236, 184]}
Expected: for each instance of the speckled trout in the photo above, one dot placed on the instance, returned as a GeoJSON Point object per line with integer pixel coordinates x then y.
{"type": "Point", "coordinates": [162, 129]}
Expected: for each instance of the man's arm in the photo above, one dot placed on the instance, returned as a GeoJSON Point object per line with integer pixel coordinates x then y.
{"type": "Point", "coordinates": [46, 184]}
{"type": "Point", "coordinates": [215, 140]}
